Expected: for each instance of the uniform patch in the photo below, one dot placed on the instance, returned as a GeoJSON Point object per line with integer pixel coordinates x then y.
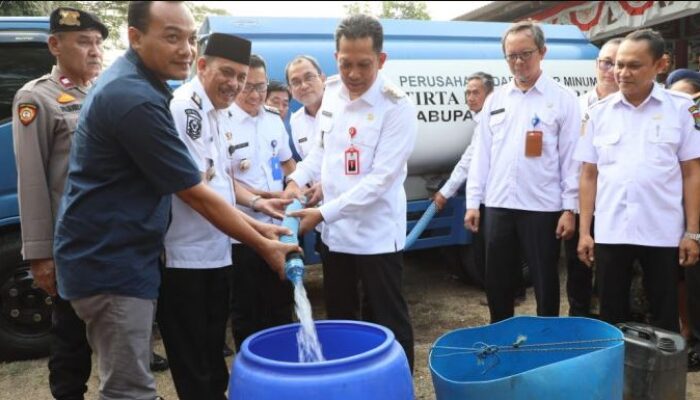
{"type": "Point", "coordinates": [64, 98]}
{"type": "Point", "coordinates": [194, 124]}
{"type": "Point", "coordinates": [303, 140]}
{"type": "Point", "coordinates": [67, 83]}
{"type": "Point", "coordinates": [69, 18]}
{"type": "Point", "coordinates": [500, 110]}
{"type": "Point", "coordinates": [197, 100]}
{"type": "Point", "coordinates": [27, 113]}
{"type": "Point", "coordinates": [326, 113]}
{"type": "Point", "coordinates": [695, 112]}
{"type": "Point", "coordinates": [240, 146]}
{"type": "Point", "coordinates": [71, 108]}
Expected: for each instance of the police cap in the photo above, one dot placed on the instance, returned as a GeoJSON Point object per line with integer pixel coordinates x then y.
{"type": "Point", "coordinates": [67, 19]}
{"type": "Point", "coordinates": [680, 74]}
{"type": "Point", "coordinates": [230, 47]}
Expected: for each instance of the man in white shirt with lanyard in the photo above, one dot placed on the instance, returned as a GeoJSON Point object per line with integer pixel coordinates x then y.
{"type": "Point", "coordinates": [367, 132]}
{"type": "Point", "coordinates": [640, 150]}
{"type": "Point", "coordinates": [259, 158]}
{"type": "Point", "coordinates": [523, 172]}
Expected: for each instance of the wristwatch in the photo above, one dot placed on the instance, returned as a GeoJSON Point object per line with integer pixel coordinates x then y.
{"type": "Point", "coordinates": [692, 236]}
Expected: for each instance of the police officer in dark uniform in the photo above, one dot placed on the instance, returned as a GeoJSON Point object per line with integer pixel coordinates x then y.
{"type": "Point", "coordinates": [45, 114]}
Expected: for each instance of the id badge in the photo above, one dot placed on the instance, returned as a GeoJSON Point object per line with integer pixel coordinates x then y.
{"type": "Point", "coordinates": [276, 167]}
{"type": "Point", "coordinates": [533, 144]}
{"type": "Point", "coordinates": [352, 161]}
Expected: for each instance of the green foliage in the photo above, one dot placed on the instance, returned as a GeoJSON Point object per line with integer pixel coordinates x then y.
{"type": "Point", "coordinates": [358, 7]}
{"type": "Point", "coordinates": [25, 8]}
{"type": "Point", "coordinates": [112, 13]}
{"type": "Point", "coordinates": [405, 10]}
{"type": "Point", "coordinates": [391, 9]}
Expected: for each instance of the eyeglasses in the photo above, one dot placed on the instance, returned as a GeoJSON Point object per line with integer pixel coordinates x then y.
{"type": "Point", "coordinates": [258, 87]}
{"type": "Point", "coordinates": [605, 65]}
{"type": "Point", "coordinates": [308, 79]}
{"type": "Point", "coordinates": [523, 55]}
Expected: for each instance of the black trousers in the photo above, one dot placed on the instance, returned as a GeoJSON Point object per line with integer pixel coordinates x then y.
{"type": "Point", "coordinates": [192, 314]}
{"type": "Point", "coordinates": [614, 277]}
{"type": "Point", "coordinates": [532, 235]}
{"type": "Point", "coordinates": [579, 279]}
{"type": "Point", "coordinates": [380, 277]}
{"type": "Point", "coordinates": [259, 299]}
{"type": "Point", "coordinates": [692, 282]}
{"type": "Point", "coordinates": [70, 356]}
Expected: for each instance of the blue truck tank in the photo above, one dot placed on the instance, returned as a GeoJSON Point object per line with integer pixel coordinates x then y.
{"type": "Point", "coordinates": [430, 61]}
{"type": "Point", "coordinates": [25, 311]}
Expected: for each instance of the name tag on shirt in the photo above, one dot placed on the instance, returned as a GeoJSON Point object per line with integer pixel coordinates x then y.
{"type": "Point", "coordinates": [533, 144]}
{"type": "Point", "coordinates": [276, 167]}
{"type": "Point", "coordinates": [352, 161]}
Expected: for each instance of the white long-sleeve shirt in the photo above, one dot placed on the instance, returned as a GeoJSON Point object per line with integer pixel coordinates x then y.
{"type": "Point", "coordinates": [364, 213]}
{"type": "Point", "coordinates": [459, 174]}
{"type": "Point", "coordinates": [501, 175]}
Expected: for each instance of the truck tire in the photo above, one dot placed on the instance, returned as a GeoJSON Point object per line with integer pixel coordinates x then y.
{"type": "Point", "coordinates": [470, 266]}
{"type": "Point", "coordinates": [460, 262]}
{"type": "Point", "coordinates": [25, 310]}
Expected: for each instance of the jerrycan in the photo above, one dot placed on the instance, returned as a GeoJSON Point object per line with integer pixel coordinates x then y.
{"type": "Point", "coordinates": [655, 363]}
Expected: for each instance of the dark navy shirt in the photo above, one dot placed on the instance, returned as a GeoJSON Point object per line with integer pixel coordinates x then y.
{"type": "Point", "coordinates": [125, 161]}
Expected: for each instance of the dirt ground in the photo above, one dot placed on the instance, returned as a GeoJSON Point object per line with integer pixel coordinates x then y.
{"type": "Point", "coordinates": [438, 303]}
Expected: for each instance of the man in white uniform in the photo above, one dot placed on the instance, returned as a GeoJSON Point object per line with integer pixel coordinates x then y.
{"type": "Point", "coordinates": [194, 296]}
{"type": "Point", "coordinates": [641, 171]}
{"type": "Point", "coordinates": [259, 159]}
{"type": "Point", "coordinates": [523, 172]}
{"type": "Point", "coordinates": [579, 278]}
{"type": "Point", "coordinates": [306, 80]}
{"type": "Point", "coordinates": [367, 132]}
{"type": "Point", "coordinates": [479, 86]}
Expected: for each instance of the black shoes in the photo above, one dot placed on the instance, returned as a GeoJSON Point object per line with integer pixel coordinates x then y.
{"type": "Point", "coordinates": [158, 363]}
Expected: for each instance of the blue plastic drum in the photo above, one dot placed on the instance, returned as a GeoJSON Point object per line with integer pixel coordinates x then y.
{"type": "Point", "coordinates": [363, 362]}
{"type": "Point", "coordinates": [530, 358]}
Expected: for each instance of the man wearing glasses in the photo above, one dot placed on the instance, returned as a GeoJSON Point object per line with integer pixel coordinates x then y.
{"type": "Point", "coordinates": [306, 80]}
{"type": "Point", "coordinates": [259, 158]}
{"type": "Point", "coordinates": [579, 278]}
{"type": "Point", "coordinates": [523, 172]}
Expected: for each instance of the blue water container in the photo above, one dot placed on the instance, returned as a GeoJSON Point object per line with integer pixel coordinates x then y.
{"type": "Point", "coordinates": [526, 358]}
{"type": "Point", "coordinates": [363, 362]}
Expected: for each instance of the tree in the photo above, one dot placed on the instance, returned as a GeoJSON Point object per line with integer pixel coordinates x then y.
{"type": "Point", "coordinates": [405, 10]}
{"type": "Point", "coordinates": [25, 8]}
{"type": "Point", "coordinates": [391, 9]}
{"type": "Point", "coordinates": [112, 13]}
{"type": "Point", "coordinates": [358, 7]}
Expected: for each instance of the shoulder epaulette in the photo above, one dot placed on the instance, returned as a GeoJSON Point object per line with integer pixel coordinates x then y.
{"type": "Point", "coordinates": [333, 80]}
{"type": "Point", "coordinates": [393, 92]}
{"type": "Point", "coordinates": [272, 109]}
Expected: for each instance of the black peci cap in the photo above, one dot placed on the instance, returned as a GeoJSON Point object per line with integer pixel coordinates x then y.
{"type": "Point", "coordinates": [66, 19]}
{"type": "Point", "coordinates": [230, 47]}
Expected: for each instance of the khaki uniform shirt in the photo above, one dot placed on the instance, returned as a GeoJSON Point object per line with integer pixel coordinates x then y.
{"type": "Point", "coordinates": [44, 115]}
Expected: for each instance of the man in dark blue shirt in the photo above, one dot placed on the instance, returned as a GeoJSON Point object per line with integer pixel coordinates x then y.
{"type": "Point", "coordinates": [125, 161]}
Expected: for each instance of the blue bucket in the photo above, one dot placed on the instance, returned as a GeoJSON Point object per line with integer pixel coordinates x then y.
{"type": "Point", "coordinates": [363, 362]}
{"type": "Point", "coordinates": [530, 358]}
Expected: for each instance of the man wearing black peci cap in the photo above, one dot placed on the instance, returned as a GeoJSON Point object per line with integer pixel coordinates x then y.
{"type": "Point", "coordinates": [194, 294]}
{"type": "Point", "coordinates": [45, 115]}
{"type": "Point", "coordinates": [126, 162]}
